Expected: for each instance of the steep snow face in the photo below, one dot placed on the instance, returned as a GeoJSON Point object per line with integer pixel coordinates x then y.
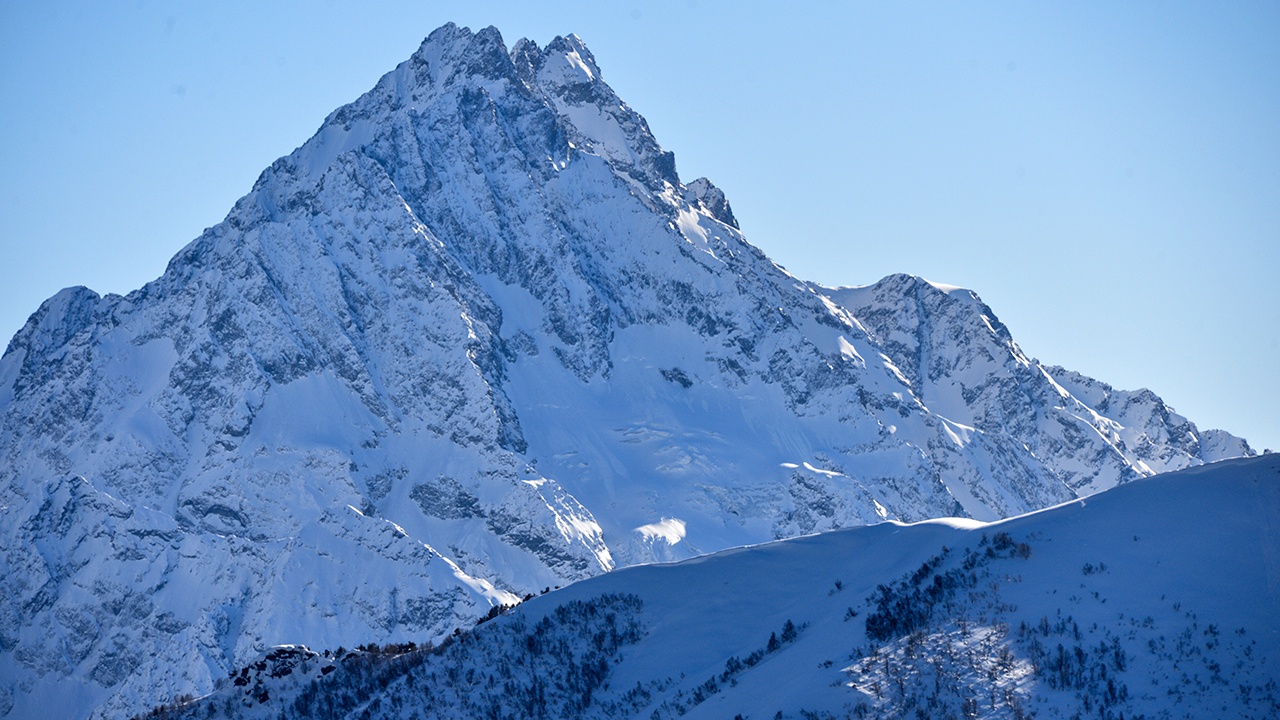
{"type": "Point", "coordinates": [962, 364]}
{"type": "Point", "coordinates": [477, 326]}
{"type": "Point", "coordinates": [1153, 599]}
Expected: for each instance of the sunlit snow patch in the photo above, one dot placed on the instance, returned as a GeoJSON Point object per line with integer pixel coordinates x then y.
{"type": "Point", "coordinates": [848, 350]}
{"type": "Point", "coordinates": [828, 473]}
{"type": "Point", "coordinates": [959, 434]}
{"type": "Point", "coordinates": [944, 287]}
{"type": "Point", "coordinates": [669, 530]}
{"type": "Point", "coordinates": [576, 61]}
{"type": "Point", "coordinates": [693, 231]}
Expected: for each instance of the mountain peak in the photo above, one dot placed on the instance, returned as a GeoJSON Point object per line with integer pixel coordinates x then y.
{"type": "Point", "coordinates": [917, 283]}
{"type": "Point", "coordinates": [567, 62]}
{"type": "Point", "coordinates": [713, 199]}
{"type": "Point", "coordinates": [563, 62]}
{"type": "Point", "coordinates": [452, 53]}
{"type": "Point", "coordinates": [56, 321]}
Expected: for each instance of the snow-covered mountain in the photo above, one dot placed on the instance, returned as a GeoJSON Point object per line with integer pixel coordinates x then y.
{"type": "Point", "coordinates": [473, 339]}
{"type": "Point", "coordinates": [1156, 599]}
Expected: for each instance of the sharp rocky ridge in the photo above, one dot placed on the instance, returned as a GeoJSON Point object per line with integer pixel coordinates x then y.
{"type": "Point", "coordinates": [473, 339]}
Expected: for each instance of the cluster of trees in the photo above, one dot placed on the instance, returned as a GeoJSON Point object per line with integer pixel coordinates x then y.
{"type": "Point", "coordinates": [393, 648]}
{"type": "Point", "coordinates": [553, 669]}
{"type": "Point", "coordinates": [503, 670]}
{"type": "Point", "coordinates": [168, 710]}
{"type": "Point", "coordinates": [946, 671]}
{"type": "Point", "coordinates": [907, 605]}
{"type": "Point", "coordinates": [1091, 670]}
{"type": "Point", "coordinates": [901, 608]}
{"type": "Point", "coordinates": [357, 678]}
{"type": "Point", "coordinates": [930, 655]}
{"type": "Point", "coordinates": [1003, 545]}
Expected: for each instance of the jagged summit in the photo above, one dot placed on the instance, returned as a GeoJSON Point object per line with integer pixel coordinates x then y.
{"type": "Point", "coordinates": [564, 62]}
{"type": "Point", "coordinates": [712, 199]}
{"type": "Point", "coordinates": [477, 326]}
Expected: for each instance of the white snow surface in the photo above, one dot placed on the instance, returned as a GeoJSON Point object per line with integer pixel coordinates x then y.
{"type": "Point", "coordinates": [1158, 598]}
{"type": "Point", "coordinates": [457, 348]}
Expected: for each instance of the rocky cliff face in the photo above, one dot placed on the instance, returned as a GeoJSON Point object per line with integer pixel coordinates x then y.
{"type": "Point", "coordinates": [963, 364]}
{"type": "Point", "coordinates": [473, 339]}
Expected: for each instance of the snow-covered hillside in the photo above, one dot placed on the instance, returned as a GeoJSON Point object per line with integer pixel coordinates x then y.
{"type": "Point", "coordinates": [473, 339]}
{"type": "Point", "coordinates": [1158, 599]}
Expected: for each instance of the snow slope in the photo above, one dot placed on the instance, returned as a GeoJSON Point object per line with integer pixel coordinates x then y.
{"type": "Point", "coordinates": [1157, 599]}
{"type": "Point", "coordinates": [473, 339]}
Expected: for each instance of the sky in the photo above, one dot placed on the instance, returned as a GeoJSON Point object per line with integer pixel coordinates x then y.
{"type": "Point", "coordinates": [1106, 176]}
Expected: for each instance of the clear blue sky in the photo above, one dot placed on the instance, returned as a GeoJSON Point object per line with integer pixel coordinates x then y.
{"type": "Point", "coordinates": [1106, 176]}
